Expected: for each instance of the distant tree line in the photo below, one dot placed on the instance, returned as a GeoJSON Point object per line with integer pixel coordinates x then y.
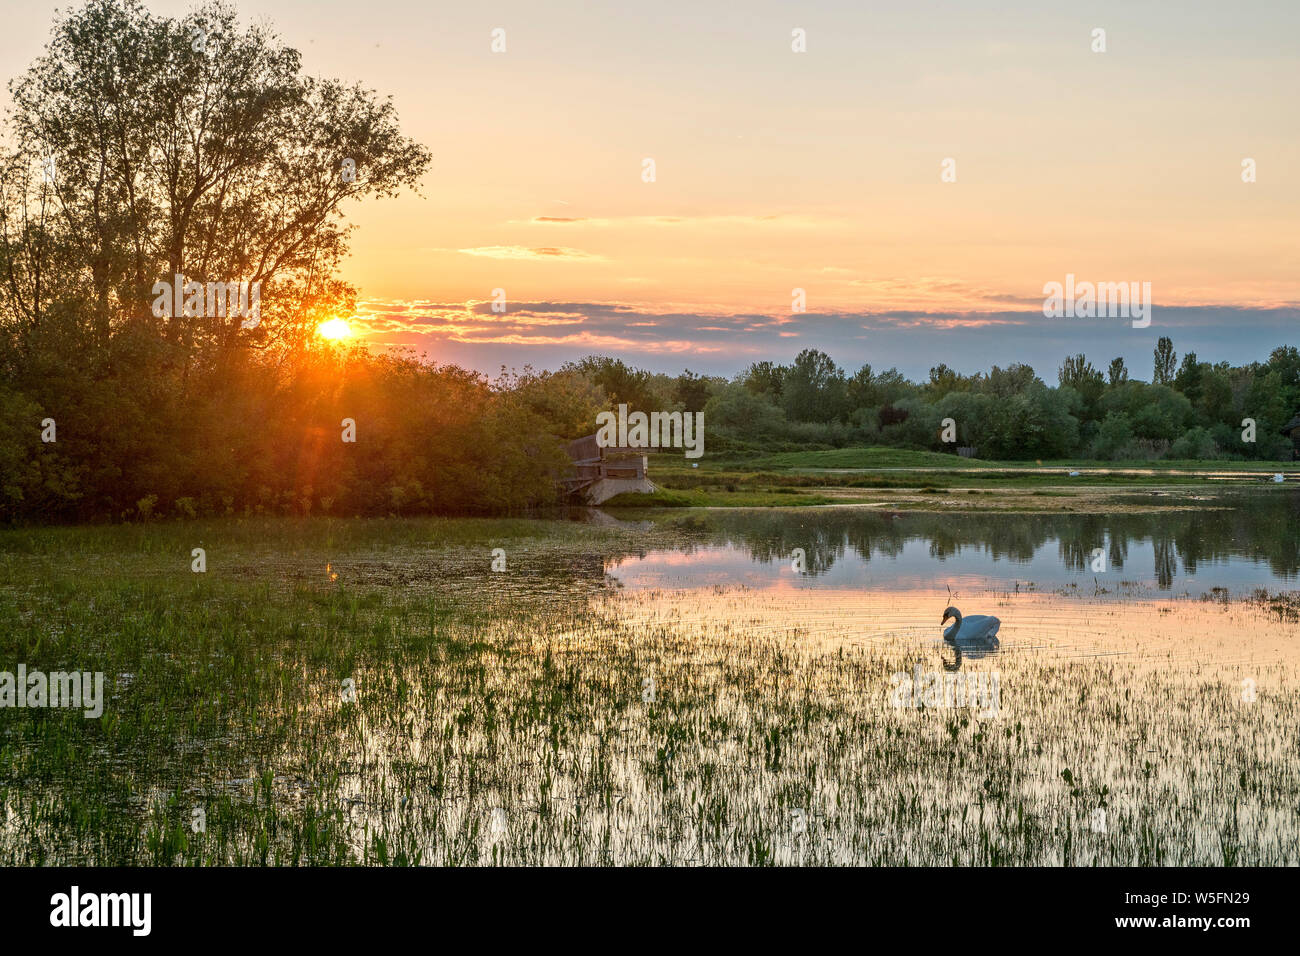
{"type": "Point", "coordinates": [1192, 410]}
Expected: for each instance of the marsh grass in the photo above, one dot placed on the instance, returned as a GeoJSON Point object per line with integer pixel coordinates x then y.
{"type": "Point", "coordinates": [524, 692]}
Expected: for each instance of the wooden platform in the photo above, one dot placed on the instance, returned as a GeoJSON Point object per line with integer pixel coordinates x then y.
{"type": "Point", "coordinates": [601, 473]}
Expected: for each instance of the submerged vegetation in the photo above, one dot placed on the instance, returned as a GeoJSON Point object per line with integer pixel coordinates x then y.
{"type": "Point", "coordinates": [539, 716]}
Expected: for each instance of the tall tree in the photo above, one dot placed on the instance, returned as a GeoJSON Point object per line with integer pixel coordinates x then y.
{"type": "Point", "coordinates": [692, 391]}
{"type": "Point", "coordinates": [944, 380]}
{"type": "Point", "coordinates": [185, 146]}
{"type": "Point", "coordinates": [1188, 379]}
{"type": "Point", "coordinates": [139, 147]}
{"type": "Point", "coordinates": [1015, 379]}
{"type": "Point", "coordinates": [1077, 373]}
{"type": "Point", "coordinates": [1117, 374]}
{"type": "Point", "coordinates": [1163, 372]}
{"type": "Point", "coordinates": [814, 389]}
{"type": "Point", "coordinates": [861, 390]}
{"type": "Point", "coordinates": [766, 378]}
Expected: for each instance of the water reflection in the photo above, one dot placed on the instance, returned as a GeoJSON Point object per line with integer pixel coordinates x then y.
{"type": "Point", "coordinates": [1235, 539]}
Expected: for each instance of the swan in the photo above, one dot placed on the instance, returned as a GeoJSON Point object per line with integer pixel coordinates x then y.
{"type": "Point", "coordinates": [979, 632]}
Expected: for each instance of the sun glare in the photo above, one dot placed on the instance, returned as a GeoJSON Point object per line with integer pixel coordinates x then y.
{"type": "Point", "coordinates": [334, 329]}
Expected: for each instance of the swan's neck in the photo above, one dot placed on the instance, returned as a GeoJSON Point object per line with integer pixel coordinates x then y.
{"type": "Point", "coordinates": [951, 633]}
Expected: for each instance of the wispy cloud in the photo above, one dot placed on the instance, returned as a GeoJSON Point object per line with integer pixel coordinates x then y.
{"type": "Point", "coordinates": [527, 252]}
{"type": "Point", "coordinates": [793, 220]}
{"type": "Point", "coordinates": [548, 333]}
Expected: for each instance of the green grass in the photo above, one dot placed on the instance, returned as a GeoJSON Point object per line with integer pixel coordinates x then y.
{"type": "Point", "coordinates": [881, 457]}
{"type": "Point", "coordinates": [876, 457]}
{"type": "Point", "coordinates": [224, 688]}
{"type": "Point", "coordinates": [153, 540]}
{"type": "Point", "coordinates": [718, 498]}
{"type": "Point", "coordinates": [752, 480]}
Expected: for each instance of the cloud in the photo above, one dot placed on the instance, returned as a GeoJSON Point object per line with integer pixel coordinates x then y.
{"type": "Point", "coordinates": [545, 334]}
{"type": "Point", "coordinates": [799, 221]}
{"type": "Point", "coordinates": [934, 291]}
{"type": "Point", "coordinates": [526, 252]}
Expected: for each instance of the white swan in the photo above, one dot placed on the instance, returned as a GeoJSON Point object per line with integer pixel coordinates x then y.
{"type": "Point", "coordinates": [979, 631]}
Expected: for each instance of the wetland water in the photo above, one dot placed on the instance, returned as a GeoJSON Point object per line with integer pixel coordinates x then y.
{"type": "Point", "coordinates": [1238, 540]}
{"type": "Point", "coordinates": [1180, 587]}
{"type": "Point", "coordinates": [661, 690]}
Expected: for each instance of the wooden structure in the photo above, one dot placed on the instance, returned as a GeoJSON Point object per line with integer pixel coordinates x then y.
{"type": "Point", "coordinates": [602, 473]}
{"type": "Point", "coordinates": [1292, 431]}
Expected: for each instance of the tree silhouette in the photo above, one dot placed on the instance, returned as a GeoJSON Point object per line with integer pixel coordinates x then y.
{"type": "Point", "coordinates": [189, 147]}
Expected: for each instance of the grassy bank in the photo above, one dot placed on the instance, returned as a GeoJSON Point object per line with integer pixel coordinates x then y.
{"type": "Point", "coordinates": [882, 457]}
{"type": "Point", "coordinates": [903, 479]}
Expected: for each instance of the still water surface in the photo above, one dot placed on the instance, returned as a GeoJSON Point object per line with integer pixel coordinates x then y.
{"type": "Point", "coordinates": [1238, 540]}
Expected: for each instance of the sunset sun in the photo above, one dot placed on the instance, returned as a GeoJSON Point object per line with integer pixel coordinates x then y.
{"type": "Point", "coordinates": [334, 329]}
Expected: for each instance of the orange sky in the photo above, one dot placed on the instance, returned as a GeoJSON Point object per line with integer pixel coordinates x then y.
{"type": "Point", "coordinates": [816, 170]}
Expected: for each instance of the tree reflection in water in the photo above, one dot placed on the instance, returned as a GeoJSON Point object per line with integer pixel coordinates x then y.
{"type": "Point", "coordinates": [1261, 526]}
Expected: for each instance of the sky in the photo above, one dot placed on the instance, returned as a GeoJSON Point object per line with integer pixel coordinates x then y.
{"type": "Point", "coordinates": [820, 171]}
